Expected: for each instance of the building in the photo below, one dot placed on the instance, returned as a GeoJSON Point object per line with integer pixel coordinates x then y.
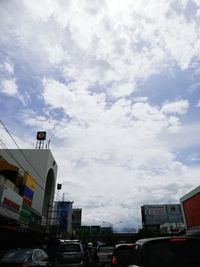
{"type": "Point", "coordinates": [153, 216]}
{"type": "Point", "coordinates": [27, 185]}
{"type": "Point", "coordinates": [172, 228]}
{"type": "Point", "coordinates": [76, 218]}
{"type": "Point", "coordinates": [191, 211]}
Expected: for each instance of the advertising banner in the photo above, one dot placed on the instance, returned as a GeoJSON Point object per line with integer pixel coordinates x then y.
{"type": "Point", "coordinates": [63, 214]}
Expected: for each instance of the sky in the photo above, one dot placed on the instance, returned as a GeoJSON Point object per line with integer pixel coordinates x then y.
{"type": "Point", "coordinates": [116, 86]}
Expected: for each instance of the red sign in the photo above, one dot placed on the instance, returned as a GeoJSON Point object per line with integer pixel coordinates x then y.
{"type": "Point", "coordinates": [11, 204]}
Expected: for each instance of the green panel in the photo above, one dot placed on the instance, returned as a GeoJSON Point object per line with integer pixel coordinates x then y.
{"type": "Point", "coordinates": [106, 231]}
{"type": "Point", "coordinates": [95, 230]}
{"type": "Point", "coordinates": [26, 208]}
{"type": "Point", "coordinates": [24, 213]}
{"type": "Point", "coordinates": [25, 219]}
{"type": "Point", "coordinates": [83, 231]}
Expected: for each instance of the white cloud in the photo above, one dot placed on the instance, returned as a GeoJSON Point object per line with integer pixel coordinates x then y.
{"type": "Point", "coordinates": [185, 137]}
{"type": "Point", "coordinates": [9, 66]}
{"type": "Point", "coordinates": [118, 42]}
{"type": "Point", "coordinates": [90, 58]}
{"type": "Point", "coordinates": [125, 89]}
{"type": "Point", "coordinates": [8, 87]}
{"type": "Point", "coordinates": [177, 107]}
{"type": "Point", "coordinates": [32, 119]}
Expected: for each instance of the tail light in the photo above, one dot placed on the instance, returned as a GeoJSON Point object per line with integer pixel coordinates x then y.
{"type": "Point", "coordinates": [114, 260]}
{"type": "Point", "coordinates": [24, 265]}
{"type": "Point", "coordinates": [178, 239]}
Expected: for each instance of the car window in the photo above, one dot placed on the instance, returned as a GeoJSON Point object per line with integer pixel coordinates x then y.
{"type": "Point", "coordinates": [183, 252]}
{"type": "Point", "coordinates": [105, 249]}
{"type": "Point", "coordinates": [70, 248]}
{"type": "Point", "coordinates": [37, 256]}
{"type": "Point", "coordinates": [138, 255]}
{"type": "Point", "coordinates": [18, 255]}
{"type": "Point", "coordinates": [44, 254]}
{"type": "Point", "coordinates": [125, 254]}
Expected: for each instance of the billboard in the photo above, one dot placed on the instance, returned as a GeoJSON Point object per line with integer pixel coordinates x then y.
{"type": "Point", "coordinates": [159, 214]}
{"type": "Point", "coordinates": [63, 214]}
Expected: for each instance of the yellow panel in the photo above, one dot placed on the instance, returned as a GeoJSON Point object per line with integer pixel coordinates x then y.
{"type": "Point", "coordinates": [29, 181]}
{"type": "Point", "coordinates": [4, 165]}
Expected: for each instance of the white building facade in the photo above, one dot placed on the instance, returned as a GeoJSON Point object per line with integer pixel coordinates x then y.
{"type": "Point", "coordinates": [27, 184]}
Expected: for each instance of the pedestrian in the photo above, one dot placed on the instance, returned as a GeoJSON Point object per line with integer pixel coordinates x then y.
{"type": "Point", "coordinates": [91, 258]}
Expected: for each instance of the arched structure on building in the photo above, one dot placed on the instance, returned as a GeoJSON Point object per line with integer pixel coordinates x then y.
{"type": "Point", "coordinates": [49, 193]}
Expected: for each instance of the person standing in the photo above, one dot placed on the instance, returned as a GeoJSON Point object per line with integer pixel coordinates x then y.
{"type": "Point", "coordinates": [91, 258]}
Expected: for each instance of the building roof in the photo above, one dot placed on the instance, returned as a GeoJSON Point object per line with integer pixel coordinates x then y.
{"type": "Point", "coordinates": [190, 194]}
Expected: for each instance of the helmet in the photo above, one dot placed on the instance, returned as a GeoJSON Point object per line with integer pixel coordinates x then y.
{"type": "Point", "coordinates": [90, 245]}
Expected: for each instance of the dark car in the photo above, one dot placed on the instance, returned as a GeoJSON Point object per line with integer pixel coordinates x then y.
{"type": "Point", "coordinates": [167, 252]}
{"type": "Point", "coordinates": [25, 258]}
{"type": "Point", "coordinates": [70, 253]}
{"type": "Point", "coordinates": [123, 255]}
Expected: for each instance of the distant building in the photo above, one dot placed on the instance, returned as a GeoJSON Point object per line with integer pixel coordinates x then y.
{"type": "Point", "coordinates": [153, 216]}
{"type": "Point", "coordinates": [191, 210]}
{"type": "Point", "coordinates": [76, 218]}
{"type": "Point", "coordinates": [172, 227]}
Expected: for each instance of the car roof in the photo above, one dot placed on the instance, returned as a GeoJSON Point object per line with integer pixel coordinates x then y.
{"type": "Point", "coordinates": [146, 240]}
{"type": "Point", "coordinates": [70, 243]}
{"type": "Point", "coordinates": [124, 244]}
{"type": "Point", "coordinates": [103, 246]}
{"type": "Point", "coordinates": [69, 240]}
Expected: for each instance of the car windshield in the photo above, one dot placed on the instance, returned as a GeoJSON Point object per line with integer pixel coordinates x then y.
{"type": "Point", "coordinates": [105, 249]}
{"type": "Point", "coordinates": [17, 255]}
{"type": "Point", "coordinates": [70, 248]}
{"type": "Point", "coordinates": [173, 252]}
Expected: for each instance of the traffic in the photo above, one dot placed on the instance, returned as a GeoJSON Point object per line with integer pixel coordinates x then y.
{"type": "Point", "coordinates": [177, 251]}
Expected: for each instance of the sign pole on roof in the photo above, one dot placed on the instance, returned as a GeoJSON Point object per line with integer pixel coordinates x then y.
{"type": "Point", "coordinates": [41, 137]}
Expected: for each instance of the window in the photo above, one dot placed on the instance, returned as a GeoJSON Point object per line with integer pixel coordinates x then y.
{"type": "Point", "coordinates": [70, 248]}
{"type": "Point", "coordinates": [172, 252]}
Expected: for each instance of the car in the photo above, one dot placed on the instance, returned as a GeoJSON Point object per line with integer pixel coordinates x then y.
{"type": "Point", "coordinates": [123, 255]}
{"type": "Point", "coordinates": [70, 253]}
{"type": "Point", "coordinates": [25, 257]}
{"type": "Point", "coordinates": [104, 253]}
{"type": "Point", "coordinates": [167, 252]}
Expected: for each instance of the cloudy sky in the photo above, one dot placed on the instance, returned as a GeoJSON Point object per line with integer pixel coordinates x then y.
{"type": "Point", "coordinates": [116, 85]}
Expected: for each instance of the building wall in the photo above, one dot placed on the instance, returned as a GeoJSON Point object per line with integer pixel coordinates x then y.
{"type": "Point", "coordinates": [76, 218]}
{"type": "Point", "coordinates": [191, 208]}
{"type": "Point", "coordinates": [38, 163]}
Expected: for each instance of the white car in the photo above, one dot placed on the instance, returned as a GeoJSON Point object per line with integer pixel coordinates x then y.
{"type": "Point", "coordinates": [70, 253]}
{"type": "Point", "coordinates": [104, 253]}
